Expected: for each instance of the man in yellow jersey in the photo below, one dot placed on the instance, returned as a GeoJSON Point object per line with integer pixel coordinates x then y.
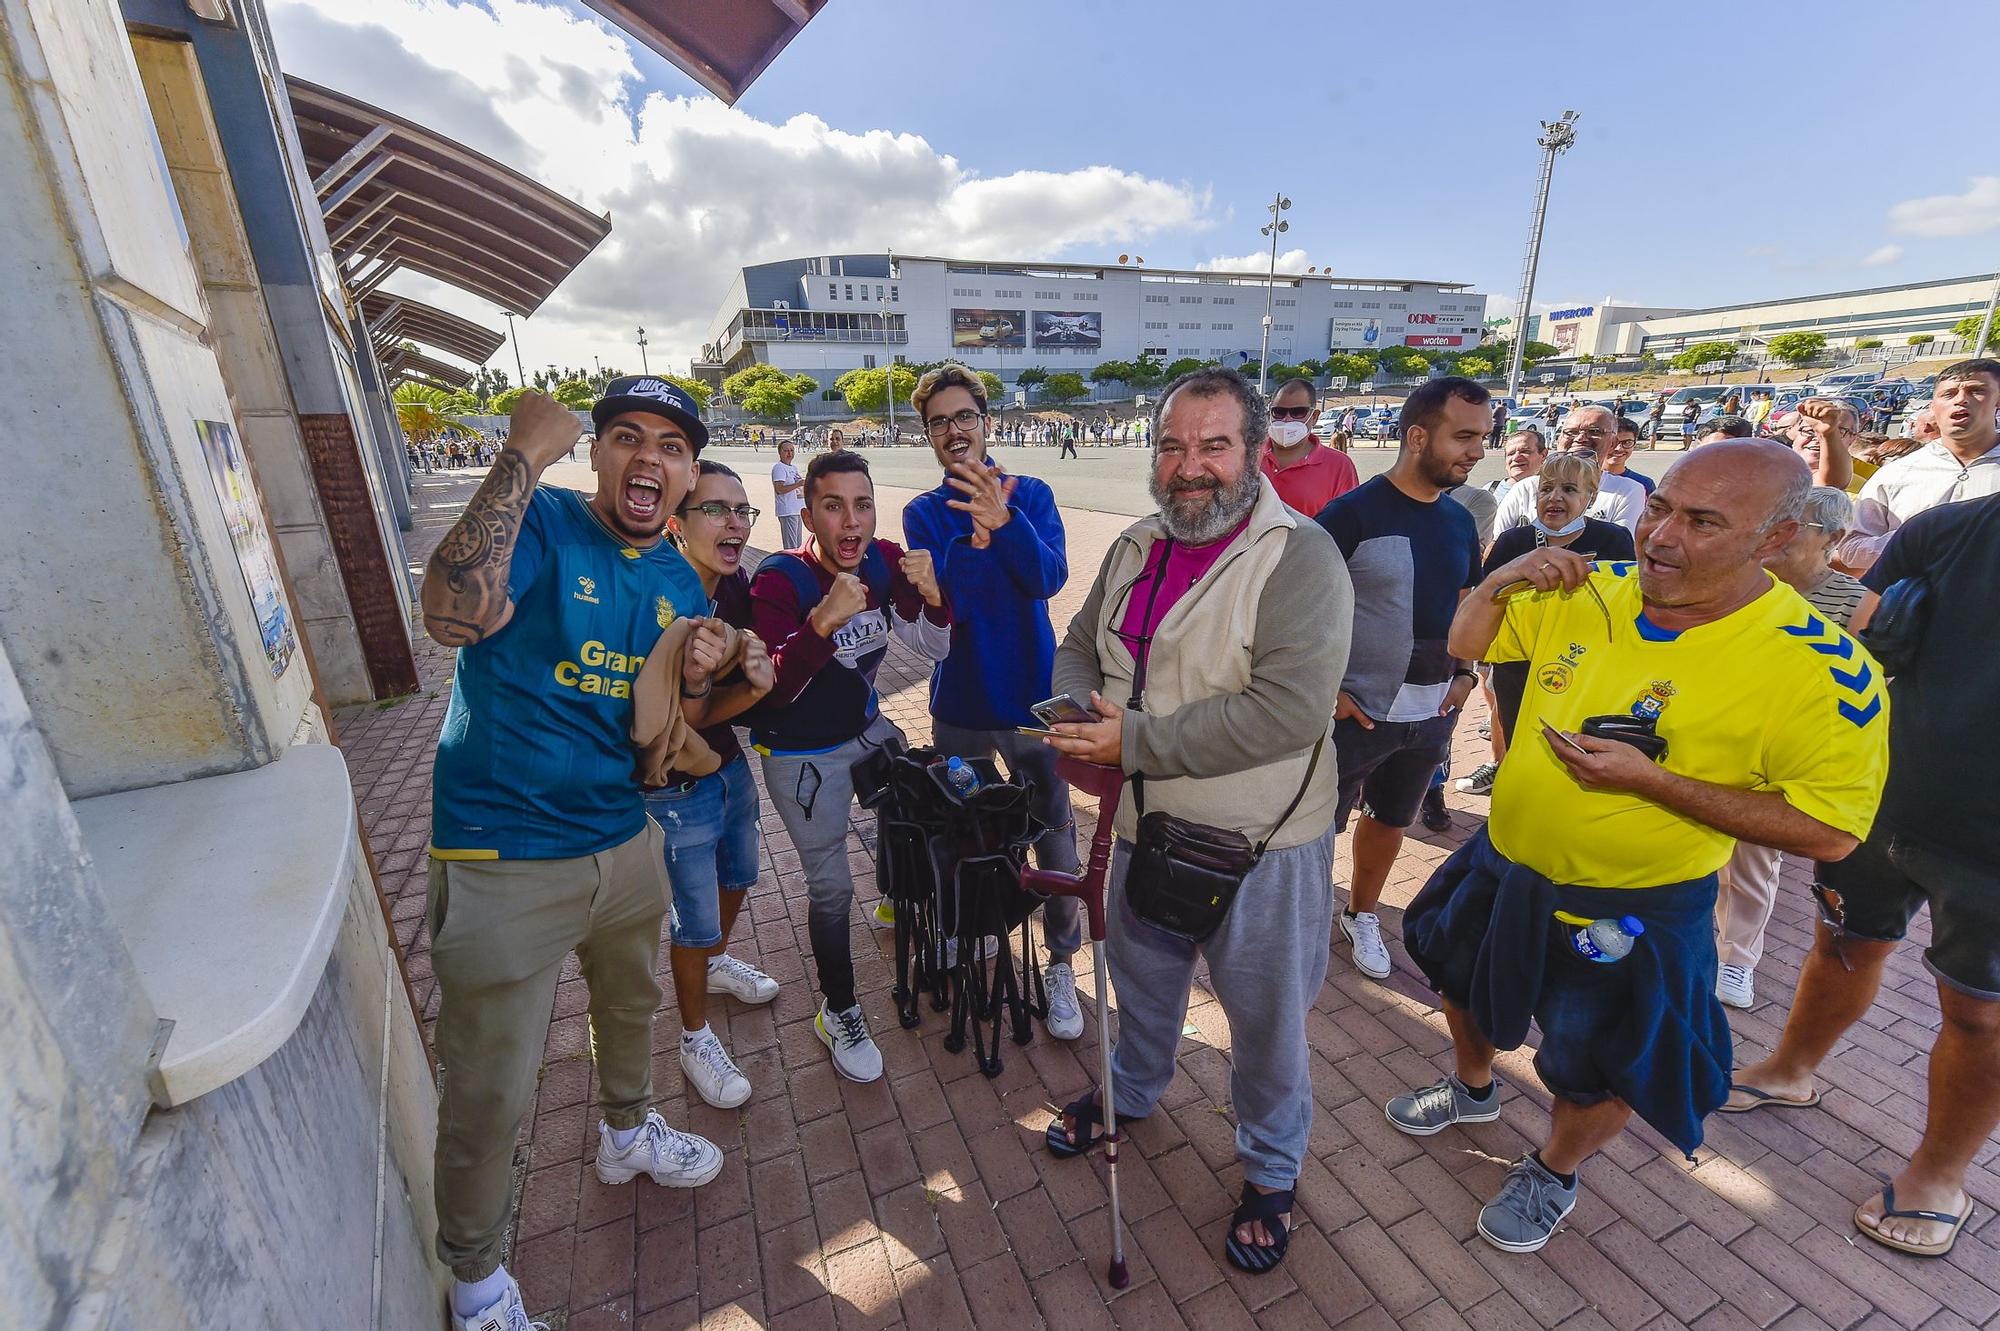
{"type": "Point", "coordinates": [1675, 704]}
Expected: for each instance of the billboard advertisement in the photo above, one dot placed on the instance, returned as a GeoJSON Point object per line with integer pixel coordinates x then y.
{"type": "Point", "coordinates": [1069, 328]}
{"type": "Point", "coordinates": [989, 328]}
{"type": "Point", "coordinates": [1356, 335]}
{"type": "Point", "coordinates": [1563, 336]}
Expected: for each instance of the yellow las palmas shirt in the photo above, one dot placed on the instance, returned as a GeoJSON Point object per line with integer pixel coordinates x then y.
{"type": "Point", "coordinates": [1772, 698]}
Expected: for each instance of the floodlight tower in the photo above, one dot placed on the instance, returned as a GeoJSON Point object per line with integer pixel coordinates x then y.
{"type": "Point", "coordinates": [1557, 138]}
{"type": "Point", "coordinates": [1276, 227]}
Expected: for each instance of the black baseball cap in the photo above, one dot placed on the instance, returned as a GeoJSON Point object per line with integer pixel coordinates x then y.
{"type": "Point", "coordinates": [645, 392]}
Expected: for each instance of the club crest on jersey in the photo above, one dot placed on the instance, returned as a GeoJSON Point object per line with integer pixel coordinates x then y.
{"type": "Point", "coordinates": [586, 590]}
{"type": "Point", "coordinates": [1654, 700]}
{"type": "Point", "coordinates": [663, 611]}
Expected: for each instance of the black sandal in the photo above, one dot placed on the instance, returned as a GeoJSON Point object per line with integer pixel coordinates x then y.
{"type": "Point", "coordinates": [1088, 1118]}
{"type": "Point", "coordinates": [1260, 1258]}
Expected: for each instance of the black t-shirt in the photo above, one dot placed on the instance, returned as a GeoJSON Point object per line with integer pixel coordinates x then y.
{"type": "Point", "coordinates": [1944, 712]}
{"type": "Point", "coordinates": [1598, 540]}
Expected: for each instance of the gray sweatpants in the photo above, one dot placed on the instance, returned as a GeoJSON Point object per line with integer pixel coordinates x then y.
{"type": "Point", "coordinates": [813, 793]}
{"type": "Point", "coordinates": [1031, 760]}
{"type": "Point", "coordinates": [1266, 963]}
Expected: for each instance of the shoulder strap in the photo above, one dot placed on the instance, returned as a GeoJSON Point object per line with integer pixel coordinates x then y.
{"type": "Point", "coordinates": [805, 584]}
{"type": "Point", "coordinates": [875, 574]}
{"type": "Point", "coordinates": [1311, 766]}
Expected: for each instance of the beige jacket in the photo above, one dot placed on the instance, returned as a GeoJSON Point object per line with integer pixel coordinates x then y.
{"type": "Point", "coordinates": [1242, 677]}
{"type": "Point", "coordinates": [666, 742]}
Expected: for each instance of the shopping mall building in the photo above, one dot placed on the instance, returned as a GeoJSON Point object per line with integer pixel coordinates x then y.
{"type": "Point", "coordinates": [826, 315]}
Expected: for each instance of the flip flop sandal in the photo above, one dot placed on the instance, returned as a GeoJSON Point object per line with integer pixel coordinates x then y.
{"type": "Point", "coordinates": [1260, 1258]}
{"type": "Point", "coordinates": [1889, 1212]}
{"type": "Point", "coordinates": [1088, 1118]}
{"type": "Point", "coordinates": [1764, 1100]}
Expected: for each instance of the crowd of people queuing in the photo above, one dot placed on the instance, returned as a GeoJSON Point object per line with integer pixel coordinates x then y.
{"type": "Point", "coordinates": [1676, 697]}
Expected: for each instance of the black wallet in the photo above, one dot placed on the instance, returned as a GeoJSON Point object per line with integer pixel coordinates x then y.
{"type": "Point", "coordinates": [1628, 729]}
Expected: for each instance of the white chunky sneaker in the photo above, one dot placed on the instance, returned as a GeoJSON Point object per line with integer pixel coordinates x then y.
{"type": "Point", "coordinates": [1065, 1019]}
{"type": "Point", "coordinates": [845, 1035]}
{"type": "Point", "coordinates": [1736, 986]}
{"type": "Point", "coordinates": [506, 1313]}
{"type": "Point", "coordinates": [674, 1159]}
{"type": "Point", "coordinates": [1364, 933]}
{"type": "Point", "coordinates": [740, 980]}
{"type": "Point", "coordinates": [712, 1073]}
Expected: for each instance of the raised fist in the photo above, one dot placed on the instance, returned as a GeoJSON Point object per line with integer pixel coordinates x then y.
{"type": "Point", "coordinates": [842, 602]}
{"type": "Point", "coordinates": [757, 667]}
{"type": "Point", "coordinates": [922, 573]}
{"type": "Point", "coordinates": [542, 430]}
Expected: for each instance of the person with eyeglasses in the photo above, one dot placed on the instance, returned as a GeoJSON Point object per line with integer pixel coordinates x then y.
{"type": "Point", "coordinates": [709, 823]}
{"type": "Point", "coordinates": [998, 544]}
{"type": "Point", "coordinates": [1592, 431]}
{"type": "Point", "coordinates": [1306, 474]}
{"type": "Point", "coordinates": [1677, 704]}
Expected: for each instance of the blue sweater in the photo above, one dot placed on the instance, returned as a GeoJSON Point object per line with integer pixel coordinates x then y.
{"type": "Point", "coordinates": [1002, 645]}
{"type": "Point", "coordinates": [1480, 931]}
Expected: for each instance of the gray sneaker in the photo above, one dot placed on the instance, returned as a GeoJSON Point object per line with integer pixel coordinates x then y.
{"type": "Point", "coordinates": [1439, 1105]}
{"type": "Point", "coordinates": [1532, 1202]}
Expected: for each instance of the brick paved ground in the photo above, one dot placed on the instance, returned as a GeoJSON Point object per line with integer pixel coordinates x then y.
{"type": "Point", "coordinates": [926, 1199]}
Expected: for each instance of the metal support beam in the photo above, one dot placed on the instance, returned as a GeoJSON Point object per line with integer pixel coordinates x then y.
{"type": "Point", "coordinates": [360, 219]}
{"type": "Point", "coordinates": [366, 144]}
{"type": "Point", "coordinates": [368, 172]}
{"type": "Point", "coordinates": [347, 252]}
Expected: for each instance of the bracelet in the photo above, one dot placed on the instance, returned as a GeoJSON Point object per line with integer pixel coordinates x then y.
{"type": "Point", "coordinates": [704, 690]}
{"type": "Point", "coordinates": [1470, 674]}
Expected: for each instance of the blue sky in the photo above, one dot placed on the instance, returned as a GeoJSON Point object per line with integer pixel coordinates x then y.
{"type": "Point", "coordinates": [1781, 149]}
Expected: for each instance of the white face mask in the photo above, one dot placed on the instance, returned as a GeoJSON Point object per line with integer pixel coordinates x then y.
{"type": "Point", "coordinates": [1285, 434]}
{"type": "Point", "coordinates": [1571, 530]}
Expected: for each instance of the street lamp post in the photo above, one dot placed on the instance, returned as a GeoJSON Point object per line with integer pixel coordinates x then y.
{"type": "Point", "coordinates": [888, 377]}
{"type": "Point", "coordinates": [1986, 323]}
{"type": "Point", "coordinates": [1276, 227]}
{"type": "Point", "coordinates": [518, 367]}
{"type": "Point", "coordinates": [1557, 138]}
{"type": "Point", "coordinates": [644, 368]}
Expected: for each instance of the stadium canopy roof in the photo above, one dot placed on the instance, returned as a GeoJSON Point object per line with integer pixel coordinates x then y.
{"type": "Point", "coordinates": [399, 363]}
{"type": "Point", "coordinates": [723, 47]}
{"type": "Point", "coordinates": [392, 319]}
{"type": "Point", "coordinates": [397, 195]}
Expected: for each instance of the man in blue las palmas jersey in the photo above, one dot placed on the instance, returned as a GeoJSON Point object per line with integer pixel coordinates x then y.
{"type": "Point", "coordinates": [540, 842]}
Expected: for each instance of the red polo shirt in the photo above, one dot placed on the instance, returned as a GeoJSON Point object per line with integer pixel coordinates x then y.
{"type": "Point", "coordinates": [1314, 481]}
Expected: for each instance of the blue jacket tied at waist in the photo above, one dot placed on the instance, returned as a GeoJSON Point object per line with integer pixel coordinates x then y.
{"type": "Point", "coordinates": [1481, 928]}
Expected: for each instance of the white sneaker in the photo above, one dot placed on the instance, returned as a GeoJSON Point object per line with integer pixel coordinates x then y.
{"type": "Point", "coordinates": [1735, 985]}
{"type": "Point", "coordinates": [507, 1313]}
{"type": "Point", "coordinates": [711, 1072]}
{"type": "Point", "coordinates": [1364, 933]}
{"type": "Point", "coordinates": [674, 1159]}
{"type": "Point", "coordinates": [845, 1035]}
{"type": "Point", "coordinates": [739, 979]}
{"type": "Point", "coordinates": [1065, 1019]}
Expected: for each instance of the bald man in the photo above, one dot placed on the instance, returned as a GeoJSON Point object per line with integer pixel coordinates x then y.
{"type": "Point", "coordinates": [1677, 703]}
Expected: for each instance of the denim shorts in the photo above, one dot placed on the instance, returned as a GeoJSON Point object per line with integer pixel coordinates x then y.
{"type": "Point", "coordinates": [711, 847]}
{"type": "Point", "coordinates": [1390, 766]}
{"type": "Point", "coordinates": [1875, 892]}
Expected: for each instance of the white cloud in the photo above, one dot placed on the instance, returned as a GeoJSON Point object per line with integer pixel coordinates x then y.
{"type": "Point", "coordinates": [1882, 254]}
{"type": "Point", "coordinates": [1967, 214]}
{"type": "Point", "coordinates": [695, 189]}
{"type": "Point", "coordinates": [1258, 261]}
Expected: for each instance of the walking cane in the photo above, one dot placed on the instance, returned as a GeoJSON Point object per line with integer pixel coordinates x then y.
{"type": "Point", "coordinates": [1088, 887]}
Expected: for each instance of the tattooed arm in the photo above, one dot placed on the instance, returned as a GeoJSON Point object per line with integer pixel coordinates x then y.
{"type": "Point", "coordinates": [465, 584]}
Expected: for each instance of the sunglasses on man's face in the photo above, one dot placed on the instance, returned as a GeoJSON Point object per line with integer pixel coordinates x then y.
{"type": "Point", "coordinates": [1290, 413]}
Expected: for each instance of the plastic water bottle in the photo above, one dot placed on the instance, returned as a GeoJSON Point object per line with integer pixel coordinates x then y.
{"type": "Point", "coordinates": [961, 778]}
{"type": "Point", "coordinates": [1609, 940]}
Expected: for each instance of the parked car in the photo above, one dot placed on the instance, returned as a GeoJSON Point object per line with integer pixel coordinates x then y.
{"type": "Point", "coordinates": [1834, 384]}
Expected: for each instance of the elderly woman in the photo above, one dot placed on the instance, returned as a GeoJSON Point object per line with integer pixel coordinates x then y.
{"type": "Point", "coordinates": [1566, 487]}
{"type": "Point", "coordinates": [1750, 879]}
{"type": "Point", "coordinates": [1824, 431]}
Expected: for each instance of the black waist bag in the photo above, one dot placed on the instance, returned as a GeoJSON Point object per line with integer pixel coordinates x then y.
{"type": "Point", "coordinates": [1185, 875]}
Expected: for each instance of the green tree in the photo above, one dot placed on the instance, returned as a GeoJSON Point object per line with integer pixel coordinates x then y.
{"type": "Point", "coordinates": [1923, 339]}
{"type": "Point", "coordinates": [1311, 369]}
{"type": "Point", "coordinates": [1701, 353]}
{"type": "Point", "coordinates": [1474, 367]}
{"type": "Point", "coordinates": [1797, 348]}
{"type": "Point", "coordinates": [1968, 329]}
{"type": "Point", "coordinates": [739, 385]}
{"type": "Point", "coordinates": [867, 391]}
{"type": "Point", "coordinates": [424, 411]}
{"type": "Point", "coordinates": [698, 389]}
{"type": "Point", "coordinates": [1147, 374]}
{"type": "Point", "coordinates": [1406, 361]}
{"type": "Point", "coordinates": [1185, 365]}
{"type": "Point", "coordinates": [1064, 387]}
{"type": "Point", "coordinates": [990, 384]}
{"type": "Point", "coordinates": [1501, 352]}
{"type": "Point", "coordinates": [1281, 372]}
{"type": "Point", "coordinates": [1354, 366]}
{"type": "Point", "coordinates": [575, 394]}
{"type": "Point", "coordinates": [768, 392]}
{"type": "Point", "coordinates": [503, 401]}
{"type": "Point", "coordinates": [1867, 343]}
{"type": "Point", "coordinates": [1030, 379]}
{"type": "Point", "coordinates": [463, 402]}
{"type": "Point", "coordinates": [1112, 372]}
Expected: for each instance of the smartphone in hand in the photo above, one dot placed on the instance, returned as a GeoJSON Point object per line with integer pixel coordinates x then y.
{"type": "Point", "coordinates": [1064, 709]}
